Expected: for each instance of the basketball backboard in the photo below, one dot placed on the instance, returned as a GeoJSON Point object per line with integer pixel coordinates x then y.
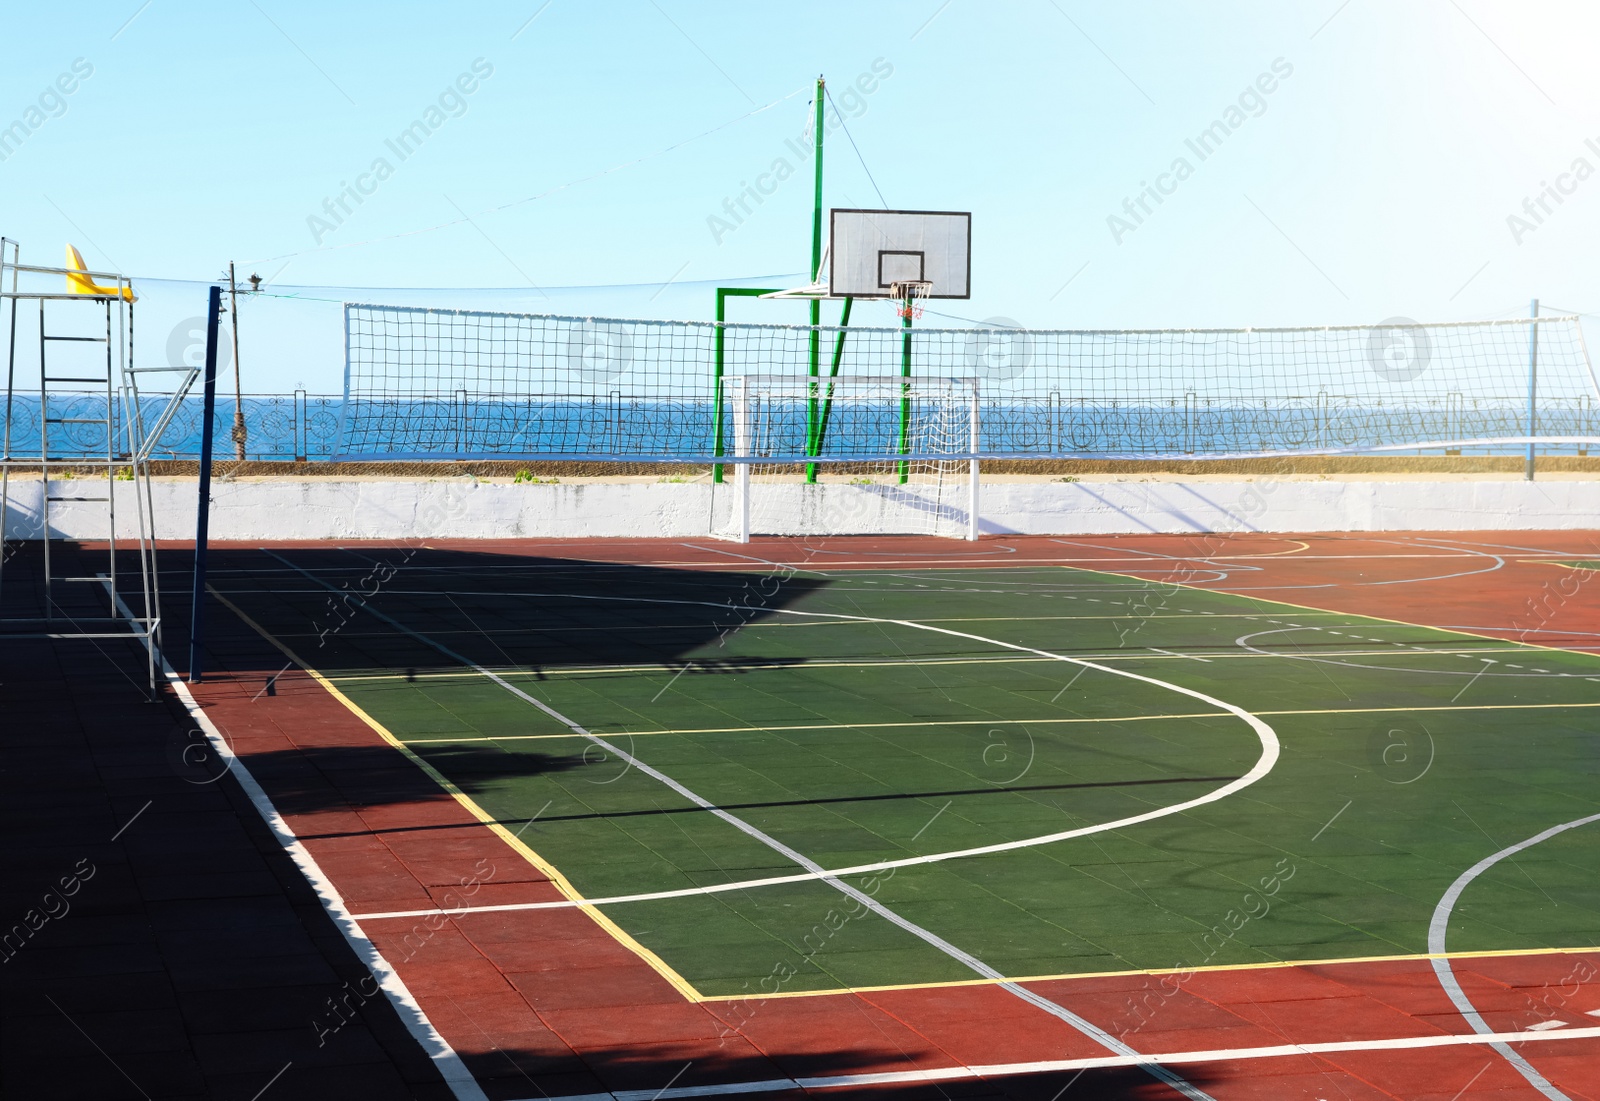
{"type": "Point", "coordinates": [869, 250]}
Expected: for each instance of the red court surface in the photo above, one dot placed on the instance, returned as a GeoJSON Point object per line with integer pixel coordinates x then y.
{"type": "Point", "coordinates": [531, 1004]}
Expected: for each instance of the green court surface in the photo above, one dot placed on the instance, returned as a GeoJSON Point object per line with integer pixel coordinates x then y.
{"type": "Point", "coordinates": [821, 711]}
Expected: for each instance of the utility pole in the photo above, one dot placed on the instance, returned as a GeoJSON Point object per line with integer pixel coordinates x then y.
{"type": "Point", "coordinates": [239, 430]}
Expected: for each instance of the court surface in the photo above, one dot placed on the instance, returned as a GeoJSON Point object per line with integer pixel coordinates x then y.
{"type": "Point", "coordinates": [1160, 816]}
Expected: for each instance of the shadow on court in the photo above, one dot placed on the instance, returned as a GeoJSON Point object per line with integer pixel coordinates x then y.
{"type": "Point", "coordinates": [360, 613]}
{"type": "Point", "coordinates": [367, 610]}
{"type": "Point", "coordinates": [313, 778]}
{"type": "Point", "coordinates": [522, 1073]}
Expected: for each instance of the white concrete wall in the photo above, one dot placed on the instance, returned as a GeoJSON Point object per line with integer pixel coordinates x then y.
{"type": "Point", "coordinates": [328, 508]}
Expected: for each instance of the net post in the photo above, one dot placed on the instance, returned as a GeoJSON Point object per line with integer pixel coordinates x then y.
{"type": "Point", "coordinates": [1533, 389]}
{"type": "Point", "coordinates": [972, 467]}
{"type": "Point", "coordinates": [742, 449]}
{"type": "Point", "coordinates": [240, 432]}
{"type": "Point", "coordinates": [202, 527]}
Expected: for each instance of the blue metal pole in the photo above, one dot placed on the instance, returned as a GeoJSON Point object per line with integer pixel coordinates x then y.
{"type": "Point", "coordinates": [1533, 388]}
{"type": "Point", "coordinates": [203, 522]}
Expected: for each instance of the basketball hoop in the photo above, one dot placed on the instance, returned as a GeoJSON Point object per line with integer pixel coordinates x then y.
{"type": "Point", "coordinates": [912, 295]}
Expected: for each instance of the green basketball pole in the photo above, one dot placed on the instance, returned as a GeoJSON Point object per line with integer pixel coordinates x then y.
{"type": "Point", "coordinates": [817, 413]}
{"type": "Point", "coordinates": [813, 424]}
{"type": "Point", "coordinates": [838, 357]}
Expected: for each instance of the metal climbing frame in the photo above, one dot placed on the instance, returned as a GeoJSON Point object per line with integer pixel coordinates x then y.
{"type": "Point", "coordinates": [77, 440]}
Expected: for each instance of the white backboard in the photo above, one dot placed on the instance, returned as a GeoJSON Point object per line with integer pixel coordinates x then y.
{"type": "Point", "coordinates": [870, 249]}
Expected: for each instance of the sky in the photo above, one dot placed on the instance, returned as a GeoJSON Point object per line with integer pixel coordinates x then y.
{"type": "Point", "coordinates": [1428, 159]}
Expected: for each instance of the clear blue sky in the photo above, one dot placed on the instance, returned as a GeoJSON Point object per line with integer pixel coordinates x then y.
{"type": "Point", "coordinates": [1376, 179]}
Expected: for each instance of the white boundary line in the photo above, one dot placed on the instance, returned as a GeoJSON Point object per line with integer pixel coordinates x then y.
{"type": "Point", "coordinates": [1001, 1070]}
{"type": "Point", "coordinates": [438, 1050]}
{"type": "Point", "coordinates": [1439, 926]}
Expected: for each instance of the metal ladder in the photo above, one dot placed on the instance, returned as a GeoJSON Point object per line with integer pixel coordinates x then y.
{"type": "Point", "coordinates": [90, 416]}
{"type": "Point", "coordinates": [103, 401]}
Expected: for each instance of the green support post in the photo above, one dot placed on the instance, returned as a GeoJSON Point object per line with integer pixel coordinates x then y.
{"type": "Point", "coordinates": [838, 356]}
{"type": "Point", "coordinates": [813, 422]}
{"type": "Point", "coordinates": [816, 417]}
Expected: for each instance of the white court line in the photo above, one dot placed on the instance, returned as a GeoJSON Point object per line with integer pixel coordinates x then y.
{"type": "Point", "coordinates": [1214, 563]}
{"type": "Point", "coordinates": [738, 668]}
{"type": "Point", "coordinates": [1159, 650]}
{"type": "Point", "coordinates": [1499, 563]}
{"type": "Point", "coordinates": [1439, 925]}
{"type": "Point", "coordinates": [1243, 641]}
{"type": "Point", "coordinates": [1407, 708]}
{"type": "Point", "coordinates": [847, 726]}
{"type": "Point", "coordinates": [1103, 1062]}
{"type": "Point", "coordinates": [815, 871]}
{"type": "Point", "coordinates": [444, 1058]}
{"type": "Point", "coordinates": [1526, 631]}
{"type": "Point", "coordinates": [1526, 551]}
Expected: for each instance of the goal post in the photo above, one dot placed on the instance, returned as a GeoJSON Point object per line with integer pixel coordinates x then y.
{"type": "Point", "coordinates": [912, 470]}
{"type": "Point", "coordinates": [719, 367]}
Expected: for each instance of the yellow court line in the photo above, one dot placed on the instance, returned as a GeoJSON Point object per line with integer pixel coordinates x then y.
{"type": "Point", "coordinates": [1304, 546]}
{"type": "Point", "coordinates": [1558, 562]}
{"type": "Point", "coordinates": [1352, 615]}
{"type": "Point", "coordinates": [1491, 954]}
{"type": "Point", "coordinates": [1017, 722]}
{"type": "Point", "coordinates": [555, 876]}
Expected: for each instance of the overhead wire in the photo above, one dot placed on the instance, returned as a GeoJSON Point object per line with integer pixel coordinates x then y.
{"type": "Point", "coordinates": [845, 127]}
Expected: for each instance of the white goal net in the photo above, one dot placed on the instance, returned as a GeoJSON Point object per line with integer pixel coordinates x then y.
{"type": "Point", "coordinates": [929, 486]}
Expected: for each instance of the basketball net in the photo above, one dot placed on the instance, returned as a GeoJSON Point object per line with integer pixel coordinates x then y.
{"type": "Point", "coordinates": [912, 295]}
